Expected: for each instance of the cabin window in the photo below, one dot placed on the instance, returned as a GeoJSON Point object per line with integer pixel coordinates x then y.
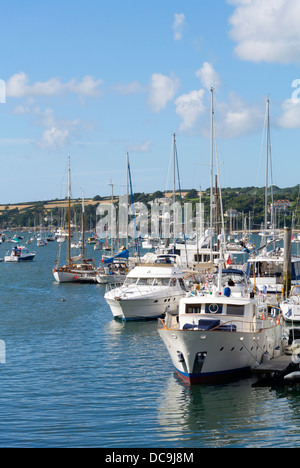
{"type": "Point", "coordinates": [193, 309]}
{"type": "Point", "coordinates": [237, 310]}
{"type": "Point", "coordinates": [182, 285]}
{"type": "Point", "coordinates": [213, 309]}
{"type": "Point", "coordinates": [130, 281]}
{"type": "Point", "coordinates": [161, 282]}
{"type": "Point", "coordinates": [145, 282]}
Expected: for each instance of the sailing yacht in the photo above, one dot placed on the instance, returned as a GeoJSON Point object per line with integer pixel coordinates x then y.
{"type": "Point", "coordinates": [80, 269]}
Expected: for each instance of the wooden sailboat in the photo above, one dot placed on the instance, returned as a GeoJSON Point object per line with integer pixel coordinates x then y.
{"type": "Point", "coordinates": [80, 269]}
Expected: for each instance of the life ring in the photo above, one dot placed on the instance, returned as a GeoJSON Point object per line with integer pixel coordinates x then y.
{"type": "Point", "coordinates": [214, 311]}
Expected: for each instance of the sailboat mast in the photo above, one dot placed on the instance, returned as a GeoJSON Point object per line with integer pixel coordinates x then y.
{"type": "Point", "coordinates": [83, 228]}
{"type": "Point", "coordinates": [69, 212]}
{"type": "Point", "coordinates": [211, 172]}
{"type": "Point", "coordinates": [127, 198]}
{"type": "Point", "coordinates": [174, 170]}
{"type": "Point", "coordinates": [267, 167]}
{"type": "Point", "coordinates": [112, 216]}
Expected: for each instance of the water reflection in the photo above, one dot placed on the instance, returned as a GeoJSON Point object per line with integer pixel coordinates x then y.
{"type": "Point", "coordinates": [232, 415]}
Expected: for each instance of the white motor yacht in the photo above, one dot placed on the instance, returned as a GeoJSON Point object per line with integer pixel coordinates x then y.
{"type": "Point", "coordinates": [150, 290]}
{"type": "Point", "coordinates": [291, 306]}
{"type": "Point", "coordinates": [219, 335]}
{"type": "Point", "coordinates": [19, 253]}
{"type": "Point", "coordinates": [266, 271]}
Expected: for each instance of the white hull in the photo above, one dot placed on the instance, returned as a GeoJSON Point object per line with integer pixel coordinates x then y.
{"type": "Point", "coordinates": [73, 277]}
{"type": "Point", "coordinates": [143, 308]}
{"type": "Point", "coordinates": [9, 259]}
{"type": "Point", "coordinates": [202, 356]}
{"type": "Point", "coordinates": [111, 279]}
{"type": "Point", "coordinates": [291, 312]}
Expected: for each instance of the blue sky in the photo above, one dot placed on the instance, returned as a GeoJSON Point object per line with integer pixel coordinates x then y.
{"type": "Point", "coordinates": [94, 79]}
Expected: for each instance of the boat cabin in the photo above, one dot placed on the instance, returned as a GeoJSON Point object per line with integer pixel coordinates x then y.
{"type": "Point", "coordinates": [219, 313]}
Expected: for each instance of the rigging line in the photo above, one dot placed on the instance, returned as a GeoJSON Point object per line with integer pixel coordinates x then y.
{"type": "Point", "coordinates": [260, 160]}
{"type": "Point", "coordinates": [220, 188]}
{"type": "Point", "coordinates": [182, 209]}
{"type": "Point", "coordinates": [251, 354]}
{"type": "Point", "coordinates": [169, 168]}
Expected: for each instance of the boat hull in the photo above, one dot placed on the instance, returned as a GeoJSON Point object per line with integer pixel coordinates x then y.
{"type": "Point", "coordinates": [9, 259]}
{"type": "Point", "coordinates": [211, 356]}
{"type": "Point", "coordinates": [73, 277]}
{"type": "Point", "coordinates": [111, 279]}
{"type": "Point", "coordinates": [143, 308]}
{"type": "Point", "coordinates": [291, 312]}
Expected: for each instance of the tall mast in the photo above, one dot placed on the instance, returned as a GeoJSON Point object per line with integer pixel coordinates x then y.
{"type": "Point", "coordinates": [174, 170]}
{"type": "Point", "coordinates": [112, 216]}
{"type": "Point", "coordinates": [83, 227]}
{"type": "Point", "coordinates": [267, 170]}
{"type": "Point", "coordinates": [69, 211]}
{"type": "Point", "coordinates": [127, 198]}
{"type": "Point", "coordinates": [211, 171]}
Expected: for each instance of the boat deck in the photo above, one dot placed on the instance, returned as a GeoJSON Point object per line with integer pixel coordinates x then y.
{"type": "Point", "coordinates": [276, 364]}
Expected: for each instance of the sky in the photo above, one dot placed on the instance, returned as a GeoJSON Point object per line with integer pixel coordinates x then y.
{"type": "Point", "coordinates": [95, 79]}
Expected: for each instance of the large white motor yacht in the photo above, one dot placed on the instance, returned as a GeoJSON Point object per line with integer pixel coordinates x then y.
{"type": "Point", "coordinates": [220, 334]}
{"type": "Point", "coordinates": [150, 290]}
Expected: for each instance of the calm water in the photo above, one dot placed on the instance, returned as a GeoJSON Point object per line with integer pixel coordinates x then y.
{"type": "Point", "coordinates": [73, 377]}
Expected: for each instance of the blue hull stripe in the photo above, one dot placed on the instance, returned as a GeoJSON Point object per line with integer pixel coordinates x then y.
{"type": "Point", "coordinates": [212, 375]}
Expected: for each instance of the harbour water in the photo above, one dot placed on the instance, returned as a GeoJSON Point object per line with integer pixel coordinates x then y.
{"type": "Point", "coordinates": [74, 377]}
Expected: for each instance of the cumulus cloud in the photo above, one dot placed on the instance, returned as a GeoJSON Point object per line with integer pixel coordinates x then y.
{"type": "Point", "coordinates": [58, 132]}
{"type": "Point", "coordinates": [290, 117]}
{"type": "Point", "coordinates": [266, 30]}
{"type": "Point", "coordinates": [131, 88]}
{"type": "Point", "coordinates": [178, 26]}
{"type": "Point", "coordinates": [162, 90]}
{"type": "Point", "coordinates": [236, 117]}
{"type": "Point", "coordinates": [190, 107]}
{"type": "Point", "coordinates": [208, 76]}
{"type": "Point", "coordinates": [18, 86]}
{"type": "Point", "coordinates": [142, 148]}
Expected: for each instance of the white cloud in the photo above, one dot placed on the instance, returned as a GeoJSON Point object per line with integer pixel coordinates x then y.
{"type": "Point", "coordinates": [142, 148]}
{"type": "Point", "coordinates": [208, 76]}
{"type": "Point", "coordinates": [178, 26]}
{"type": "Point", "coordinates": [162, 90]}
{"type": "Point", "coordinates": [131, 88]}
{"type": "Point", "coordinates": [266, 30]}
{"type": "Point", "coordinates": [58, 132]}
{"type": "Point", "coordinates": [54, 138]}
{"type": "Point", "coordinates": [237, 118]}
{"type": "Point", "coordinates": [18, 86]}
{"type": "Point", "coordinates": [190, 107]}
{"type": "Point", "coordinates": [290, 117]}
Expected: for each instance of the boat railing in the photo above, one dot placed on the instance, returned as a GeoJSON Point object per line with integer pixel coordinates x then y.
{"type": "Point", "coordinates": [141, 289]}
{"type": "Point", "coordinates": [172, 322]}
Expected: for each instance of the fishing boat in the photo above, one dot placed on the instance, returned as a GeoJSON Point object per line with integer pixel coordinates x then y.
{"type": "Point", "coordinates": [79, 269]}
{"type": "Point", "coordinates": [291, 306]}
{"type": "Point", "coordinates": [219, 335]}
{"type": "Point", "coordinates": [19, 253]}
{"type": "Point", "coordinates": [150, 290]}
